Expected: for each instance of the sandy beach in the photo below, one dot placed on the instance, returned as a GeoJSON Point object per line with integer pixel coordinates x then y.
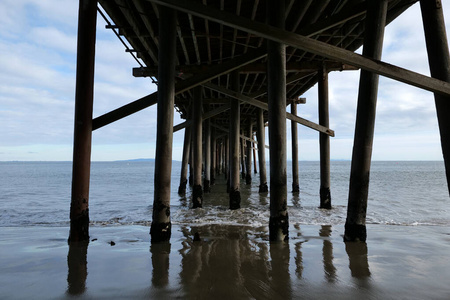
{"type": "Point", "coordinates": [230, 262]}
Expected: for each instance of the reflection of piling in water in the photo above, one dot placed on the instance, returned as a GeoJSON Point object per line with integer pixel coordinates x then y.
{"type": "Point", "coordinates": [77, 268]}
{"type": "Point", "coordinates": [358, 260]}
{"type": "Point", "coordinates": [280, 278]}
{"type": "Point", "coordinates": [327, 254]}
{"type": "Point", "coordinates": [160, 264]}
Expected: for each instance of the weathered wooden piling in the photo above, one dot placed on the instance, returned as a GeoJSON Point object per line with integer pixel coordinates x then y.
{"type": "Point", "coordinates": [161, 225]}
{"type": "Point", "coordinates": [294, 138]}
{"type": "Point", "coordinates": [261, 138]}
{"type": "Point", "coordinates": [276, 92]}
{"type": "Point", "coordinates": [234, 138]}
{"type": "Point", "coordinates": [439, 61]}
{"type": "Point", "coordinates": [248, 156]}
{"type": "Point", "coordinates": [255, 168]}
{"type": "Point", "coordinates": [355, 225]}
{"type": "Point", "coordinates": [207, 173]}
{"type": "Point", "coordinates": [213, 156]}
{"type": "Point", "coordinates": [243, 167]}
{"type": "Point", "coordinates": [324, 139]}
{"type": "Point", "coordinates": [191, 162]}
{"type": "Point", "coordinates": [197, 193]}
{"type": "Point", "coordinates": [84, 97]}
{"type": "Point", "coordinates": [185, 161]}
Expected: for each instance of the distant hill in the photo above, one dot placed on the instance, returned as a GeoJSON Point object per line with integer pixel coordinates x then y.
{"type": "Point", "coordinates": [138, 159]}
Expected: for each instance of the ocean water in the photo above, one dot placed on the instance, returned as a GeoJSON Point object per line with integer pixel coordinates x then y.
{"type": "Point", "coordinates": [121, 193]}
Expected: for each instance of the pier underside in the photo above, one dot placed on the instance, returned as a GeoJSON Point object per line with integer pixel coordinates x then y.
{"type": "Point", "coordinates": [231, 68]}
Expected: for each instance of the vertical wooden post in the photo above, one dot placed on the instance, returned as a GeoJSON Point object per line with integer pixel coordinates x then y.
{"type": "Point", "coordinates": [355, 225]}
{"type": "Point", "coordinates": [191, 162]}
{"type": "Point", "coordinates": [197, 193]}
{"type": "Point", "coordinates": [234, 138]}
{"type": "Point", "coordinates": [255, 168]}
{"type": "Point", "coordinates": [213, 156]}
{"type": "Point", "coordinates": [243, 168]}
{"type": "Point", "coordinates": [248, 161]}
{"type": "Point", "coordinates": [161, 225]}
{"type": "Point", "coordinates": [207, 177]}
{"type": "Point", "coordinates": [294, 138]}
{"type": "Point", "coordinates": [226, 158]}
{"type": "Point", "coordinates": [185, 161]}
{"type": "Point", "coordinates": [261, 137]}
{"type": "Point", "coordinates": [84, 98]}
{"type": "Point", "coordinates": [439, 61]}
{"type": "Point", "coordinates": [324, 140]}
{"type": "Point", "coordinates": [276, 77]}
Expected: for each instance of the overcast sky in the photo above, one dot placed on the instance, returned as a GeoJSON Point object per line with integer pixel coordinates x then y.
{"type": "Point", "coordinates": [37, 87]}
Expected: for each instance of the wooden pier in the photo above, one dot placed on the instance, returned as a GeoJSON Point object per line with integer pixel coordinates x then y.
{"type": "Point", "coordinates": [231, 68]}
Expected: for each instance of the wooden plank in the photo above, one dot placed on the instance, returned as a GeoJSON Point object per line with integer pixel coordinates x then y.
{"type": "Point", "coordinates": [149, 100]}
{"type": "Point", "coordinates": [309, 45]}
{"type": "Point", "coordinates": [264, 106]}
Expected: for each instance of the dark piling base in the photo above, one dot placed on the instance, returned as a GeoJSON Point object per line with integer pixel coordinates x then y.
{"type": "Point", "coordinates": [206, 186]}
{"type": "Point", "coordinates": [235, 199]}
{"type": "Point", "coordinates": [182, 188]}
{"type": "Point", "coordinates": [191, 179]}
{"type": "Point", "coordinates": [79, 228]}
{"type": "Point", "coordinates": [279, 228]}
{"type": "Point", "coordinates": [248, 178]}
{"type": "Point", "coordinates": [243, 175]}
{"type": "Point", "coordinates": [213, 179]}
{"type": "Point", "coordinates": [325, 198]}
{"type": "Point", "coordinates": [160, 232]}
{"type": "Point", "coordinates": [355, 233]}
{"type": "Point", "coordinates": [197, 196]}
{"type": "Point", "coordinates": [295, 188]}
{"type": "Point", "coordinates": [263, 188]}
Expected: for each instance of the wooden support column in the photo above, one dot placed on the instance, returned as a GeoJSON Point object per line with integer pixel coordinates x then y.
{"type": "Point", "coordinates": [207, 177]}
{"type": "Point", "coordinates": [294, 138]}
{"type": "Point", "coordinates": [197, 193]}
{"type": "Point", "coordinates": [324, 140]}
{"type": "Point", "coordinates": [261, 137]}
{"type": "Point", "coordinates": [161, 225]}
{"type": "Point", "coordinates": [226, 158]}
{"type": "Point", "coordinates": [234, 138]}
{"type": "Point", "coordinates": [255, 168]}
{"type": "Point", "coordinates": [84, 98]}
{"type": "Point", "coordinates": [355, 225]}
{"type": "Point", "coordinates": [248, 160]}
{"type": "Point", "coordinates": [191, 163]}
{"type": "Point", "coordinates": [185, 161]}
{"type": "Point", "coordinates": [276, 78]}
{"type": "Point", "coordinates": [213, 156]}
{"type": "Point", "coordinates": [243, 168]}
{"type": "Point", "coordinates": [439, 61]}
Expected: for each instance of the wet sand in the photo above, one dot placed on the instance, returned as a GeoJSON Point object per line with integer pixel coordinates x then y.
{"type": "Point", "coordinates": [230, 262]}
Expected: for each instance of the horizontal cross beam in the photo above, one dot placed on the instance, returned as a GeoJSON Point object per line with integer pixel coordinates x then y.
{"type": "Point", "coordinates": [264, 106]}
{"type": "Point", "coordinates": [149, 100]}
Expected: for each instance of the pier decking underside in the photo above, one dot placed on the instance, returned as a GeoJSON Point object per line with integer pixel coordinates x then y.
{"type": "Point", "coordinates": [203, 46]}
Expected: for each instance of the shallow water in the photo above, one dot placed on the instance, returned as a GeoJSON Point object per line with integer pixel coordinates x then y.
{"type": "Point", "coordinates": [231, 262]}
{"type": "Point", "coordinates": [38, 194]}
